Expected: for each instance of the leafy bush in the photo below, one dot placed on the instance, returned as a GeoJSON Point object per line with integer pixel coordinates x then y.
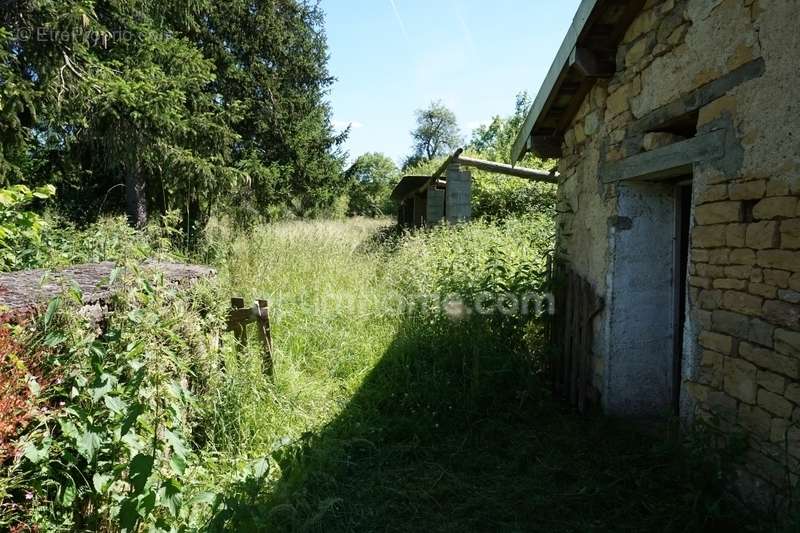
{"type": "Point", "coordinates": [20, 229]}
{"type": "Point", "coordinates": [498, 197]}
{"type": "Point", "coordinates": [478, 265]}
{"type": "Point", "coordinates": [114, 443]}
{"type": "Point", "coordinates": [59, 243]}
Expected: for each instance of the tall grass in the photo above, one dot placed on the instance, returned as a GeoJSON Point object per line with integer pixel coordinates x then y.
{"type": "Point", "coordinates": [425, 420]}
{"type": "Point", "coordinates": [328, 318]}
{"type": "Point", "coordinates": [393, 407]}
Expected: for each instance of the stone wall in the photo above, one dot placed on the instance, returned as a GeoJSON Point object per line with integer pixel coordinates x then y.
{"type": "Point", "coordinates": [730, 65]}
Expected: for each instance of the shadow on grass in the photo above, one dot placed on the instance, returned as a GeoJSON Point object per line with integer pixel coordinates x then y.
{"type": "Point", "coordinates": [448, 433]}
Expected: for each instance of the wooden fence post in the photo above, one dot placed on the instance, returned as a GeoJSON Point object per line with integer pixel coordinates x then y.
{"type": "Point", "coordinates": [238, 319]}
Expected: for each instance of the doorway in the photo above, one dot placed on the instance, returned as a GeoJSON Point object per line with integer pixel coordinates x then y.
{"type": "Point", "coordinates": [683, 224]}
{"type": "Point", "coordinates": [647, 294]}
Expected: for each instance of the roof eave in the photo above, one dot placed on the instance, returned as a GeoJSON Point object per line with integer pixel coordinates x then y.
{"type": "Point", "coordinates": [579, 58]}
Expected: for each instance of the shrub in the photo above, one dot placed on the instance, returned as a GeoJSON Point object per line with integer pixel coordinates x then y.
{"type": "Point", "coordinates": [20, 383]}
{"type": "Point", "coordinates": [114, 443]}
{"type": "Point", "coordinates": [59, 243]}
{"type": "Point", "coordinates": [20, 229]}
{"type": "Point", "coordinates": [499, 197]}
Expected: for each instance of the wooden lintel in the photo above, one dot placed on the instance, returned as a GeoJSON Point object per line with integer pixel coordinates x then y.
{"type": "Point", "coordinates": [666, 162]}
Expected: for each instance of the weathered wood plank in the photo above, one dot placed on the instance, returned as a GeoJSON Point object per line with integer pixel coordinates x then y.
{"type": "Point", "coordinates": [572, 337]}
{"type": "Point", "coordinates": [239, 317]}
{"type": "Point", "coordinates": [21, 292]}
{"type": "Point", "coordinates": [590, 65]}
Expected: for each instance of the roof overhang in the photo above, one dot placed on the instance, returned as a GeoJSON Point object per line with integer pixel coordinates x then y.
{"type": "Point", "coordinates": [587, 54]}
{"type": "Point", "coordinates": [409, 186]}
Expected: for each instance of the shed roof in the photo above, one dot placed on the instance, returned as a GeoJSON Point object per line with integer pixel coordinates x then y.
{"type": "Point", "coordinates": [587, 54]}
{"type": "Point", "coordinates": [409, 185]}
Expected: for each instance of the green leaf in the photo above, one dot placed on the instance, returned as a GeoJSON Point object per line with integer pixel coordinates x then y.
{"type": "Point", "coordinates": [176, 443]}
{"type": "Point", "coordinates": [100, 482]}
{"type": "Point", "coordinates": [88, 444]}
{"type": "Point", "coordinates": [44, 192]}
{"type": "Point", "coordinates": [52, 309]}
{"type": "Point", "coordinates": [68, 429]}
{"type": "Point", "coordinates": [102, 386]}
{"type": "Point", "coordinates": [52, 340]}
{"type": "Point", "coordinates": [147, 503]}
{"type": "Point", "coordinates": [260, 468]}
{"type": "Point", "coordinates": [68, 493]}
{"type": "Point", "coordinates": [114, 404]}
{"type": "Point", "coordinates": [171, 496]}
{"type": "Point", "coordinates": [6, 198]}
{"type": "Point", "coordinates": [207, 498]}
{"type": "Point", "coordinates": [116, 272]}
{"type": "Point", "coordinates": [136, 316]}
{"type": "Point", "coordinates": [178, 464]}
{"type": "Point", "coordinates": [34, 454]}
{"type": "Point", "coordinates": [139, 471]}
{"type": "Point", "coordinates": [130, 420]}
{"type": "Point", "coordinates": [129, 515]}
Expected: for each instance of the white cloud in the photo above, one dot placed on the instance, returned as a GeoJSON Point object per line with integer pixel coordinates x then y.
{"type": "Point", "coordinates": [343, 124]}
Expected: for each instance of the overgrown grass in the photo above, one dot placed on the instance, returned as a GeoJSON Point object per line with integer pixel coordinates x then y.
{"type": "Point", "coordinates": [379, 420]}
{"type": "Point", "coordinates": [382, 415]}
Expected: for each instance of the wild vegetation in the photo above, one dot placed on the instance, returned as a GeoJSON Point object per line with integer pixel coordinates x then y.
{"type": "Point", "coordinates": [408, 392]}
{"type": "Point", "coordinates": [389, 408]}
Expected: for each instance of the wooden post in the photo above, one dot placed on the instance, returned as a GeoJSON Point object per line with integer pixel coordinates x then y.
{"type": "Point", "coordinates": [238, 319]}
{"type": "Point", "coordinates": [238, 326]}
{"type": "Point", "coordinates": [264, 330]}
{"type": "Point", "coordinates": [458, 199]}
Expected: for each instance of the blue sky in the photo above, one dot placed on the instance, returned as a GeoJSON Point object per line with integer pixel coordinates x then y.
{"type": "Point", "coordinates": [391, 57]}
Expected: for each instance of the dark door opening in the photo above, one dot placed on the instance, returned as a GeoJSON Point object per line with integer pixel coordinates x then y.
{"type": "Point", "coordinates": [683, 222]}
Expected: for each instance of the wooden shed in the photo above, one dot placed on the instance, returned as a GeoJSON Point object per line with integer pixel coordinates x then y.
{"type": "Point", "coordinates": [446, 195]}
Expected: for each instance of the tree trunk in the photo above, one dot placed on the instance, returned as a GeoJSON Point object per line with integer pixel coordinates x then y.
{"type": "Point", "coordinates": [136, 196]}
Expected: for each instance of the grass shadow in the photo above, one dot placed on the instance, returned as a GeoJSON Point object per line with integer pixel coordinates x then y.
{"type": "Point", "coordinates": [453, 432]}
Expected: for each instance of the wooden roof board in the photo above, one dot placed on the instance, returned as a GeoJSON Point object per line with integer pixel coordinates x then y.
{"type": "Point", "coordinates": [408, 186]}
{"type": "Point", "coordinates": [598, 25]}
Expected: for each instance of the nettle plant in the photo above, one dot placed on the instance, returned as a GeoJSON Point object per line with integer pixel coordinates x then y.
{"type": "Point", "coordinates": [19, 227]}
{"type": "Point", "coordinates": [115, 445]}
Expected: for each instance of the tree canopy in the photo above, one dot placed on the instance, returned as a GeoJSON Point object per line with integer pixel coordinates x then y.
{"type": "Point", "coordinates": [372, 177]}
{"type": "Point", "coordinates": [437, 134]}
{"type": "Point", "coordinates": [189, 105]}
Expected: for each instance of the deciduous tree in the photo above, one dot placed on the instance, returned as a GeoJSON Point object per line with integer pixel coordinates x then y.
{"type": "Point", "coordinates": [436, 134]}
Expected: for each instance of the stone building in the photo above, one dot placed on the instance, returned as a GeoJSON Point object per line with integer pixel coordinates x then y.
{"type": "Point", "coordinates": [677, 126]}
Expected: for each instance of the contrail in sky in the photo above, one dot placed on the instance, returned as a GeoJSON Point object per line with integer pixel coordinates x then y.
{"type": "Point", "coordinates": [463, 24]}
{"type": "Point", "coordinates": [400, 20]}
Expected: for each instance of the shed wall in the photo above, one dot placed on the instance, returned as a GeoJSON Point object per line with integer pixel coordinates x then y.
{"type": "Point", "coordinates": [728, 65]}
